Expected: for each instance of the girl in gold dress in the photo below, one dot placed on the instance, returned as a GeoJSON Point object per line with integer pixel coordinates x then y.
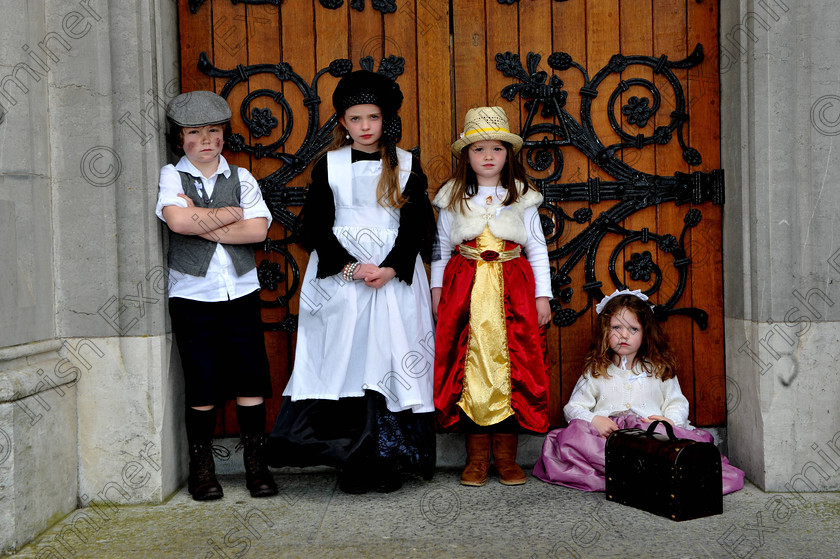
{"type": "Point", "coordinates": [490, 292]}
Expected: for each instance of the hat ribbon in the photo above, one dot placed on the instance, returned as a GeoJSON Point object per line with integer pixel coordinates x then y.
{"type": "Point", "coordinates": [479, 130]}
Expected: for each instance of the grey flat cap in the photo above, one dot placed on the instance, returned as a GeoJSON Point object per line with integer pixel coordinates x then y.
{"type": "Point", "coordinates": [198, 108]}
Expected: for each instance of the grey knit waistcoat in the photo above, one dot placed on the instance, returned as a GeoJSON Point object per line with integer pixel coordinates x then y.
{"type": "Point", "coordinates": [191, 254]}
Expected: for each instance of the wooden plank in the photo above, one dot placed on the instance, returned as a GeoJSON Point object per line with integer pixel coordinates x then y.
{"type": "Point", "coordinates": [706, 247]}
{"type": "Point", "coordinates": [332, 41]}
{"type": "Point", "coordinates": [570, 37]}
{"type": "Point", "coordinates": [637, 39]}
{"type": "Point", "coordinates": [263, 32]}
{"type": "Point", "coordinates": [602, 38]}
{"type": "Point", "coordinates": [263, 27]}
{"type": "Point", "coordinates": [196, 33]}
{"type": "Point", "coordinates": [501, 16]}
{"type": "Point", "coordinates": [603, 28]}
{"type": "Point", "coordinates": [401, 40]}
{"type": "Point", "coordinates": [366, 36]}
{"type": "Point", "coordinates": [296, 23]}
{"type": "Point", "coordinates": [669, 17]}
{"type": "Point", "coordinates": [535, 36]}
{"type": "Point", "coordinates": [468, 21]}
{"type": "Point", "coordinates": [229, 50]}
{"type": "Point", "coordinates": [434, 101]}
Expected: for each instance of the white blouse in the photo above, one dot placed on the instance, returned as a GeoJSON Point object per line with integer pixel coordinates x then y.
{"type": "Point", "coordinates": [627, 392]}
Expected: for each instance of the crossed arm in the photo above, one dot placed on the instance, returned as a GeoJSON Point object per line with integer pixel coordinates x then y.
{"type": "Point", "coordinates": [222, 225]}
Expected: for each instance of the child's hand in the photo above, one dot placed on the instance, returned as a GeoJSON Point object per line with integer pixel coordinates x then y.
{"type": "Point", "coordinates": [604, 425]}
{"type": "Point", "coordinates": [435, 300]}
{"type": "Point", "coordinates": [652, 418]}
{"type": "Point", "coordinates": [380, 277]}
{"type": "Point", "coordinates": [363, 271]}
{"type": "Point", "coordinates": [190, 203]}
{"type": "Point", "coordinates": [543, 311]}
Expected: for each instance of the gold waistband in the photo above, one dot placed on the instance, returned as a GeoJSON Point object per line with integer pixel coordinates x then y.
{"type": "Point", "coordinates": [489, 255]}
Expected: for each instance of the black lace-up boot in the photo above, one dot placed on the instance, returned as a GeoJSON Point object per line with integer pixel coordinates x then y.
{"type": "Point", "coordinates": [202, 485]}
{"type": "Point", "coordinates": [258, 478]}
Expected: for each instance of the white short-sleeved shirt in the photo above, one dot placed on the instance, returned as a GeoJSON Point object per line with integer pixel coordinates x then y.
{"type": "Point", "coordinates": [221, 282]}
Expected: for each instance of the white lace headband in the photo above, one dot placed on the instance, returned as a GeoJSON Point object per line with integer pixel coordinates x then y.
{"type": "Point", "coordinates": [635, 293]}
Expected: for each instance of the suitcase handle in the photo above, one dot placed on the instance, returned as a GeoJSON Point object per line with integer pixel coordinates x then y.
{"type": "Point", "coordinates": [668, 429]}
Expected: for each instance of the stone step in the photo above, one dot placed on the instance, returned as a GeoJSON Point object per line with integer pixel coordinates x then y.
{"type": "Point", "coordinates": [451, 452]}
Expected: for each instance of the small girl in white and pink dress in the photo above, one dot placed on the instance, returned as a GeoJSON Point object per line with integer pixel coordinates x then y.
{"type": "Point", "coordinates": [629, 381]}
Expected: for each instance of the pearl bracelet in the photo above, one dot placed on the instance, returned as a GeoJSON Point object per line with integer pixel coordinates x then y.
{"type": "Point", "coordinates": [349, 269]}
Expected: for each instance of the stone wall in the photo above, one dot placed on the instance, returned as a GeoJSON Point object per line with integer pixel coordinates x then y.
{"type": "Point", "coordinates": [26, 232]}
{"type": "Point", "coordinates": [83, 90]}
{"type": "Point", "coordinates": [780, 113]}
{"type": "Point", "coordinates": [38, 440]}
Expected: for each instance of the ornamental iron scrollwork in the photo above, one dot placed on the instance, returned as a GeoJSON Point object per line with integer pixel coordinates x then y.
{"type": "Point", "coordinates": [383, 6]}
{"type": "Point", "coordinates": [633, 189]}
{"type": "Point", "coordinates": [260, 123]}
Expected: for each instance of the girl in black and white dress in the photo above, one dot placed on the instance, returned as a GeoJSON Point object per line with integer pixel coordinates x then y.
{"type": "Point", "coordinates": [360, 396]}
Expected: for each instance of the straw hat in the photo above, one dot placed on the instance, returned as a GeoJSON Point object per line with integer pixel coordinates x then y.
{"type": "Point", "coordinates": [486, 123]}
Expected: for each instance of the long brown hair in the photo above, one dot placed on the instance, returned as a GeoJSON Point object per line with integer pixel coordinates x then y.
{"type": "Point", "coordinates": [466, 182]}
{"type": "Point", "coordinates": [388, 190]}
{"type": "Point", "coordinates": [654, 356]}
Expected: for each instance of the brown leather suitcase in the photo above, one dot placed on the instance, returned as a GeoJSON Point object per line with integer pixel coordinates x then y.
{"type": "Point", "coordinates": [676, 478]}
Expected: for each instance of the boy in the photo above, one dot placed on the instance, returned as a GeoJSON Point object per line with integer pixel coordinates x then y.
{"type": "Point", "coordinates": [214, 212]}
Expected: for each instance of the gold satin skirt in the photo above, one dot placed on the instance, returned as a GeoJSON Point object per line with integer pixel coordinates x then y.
{"type": "Point", "coordinates": [485, 398]}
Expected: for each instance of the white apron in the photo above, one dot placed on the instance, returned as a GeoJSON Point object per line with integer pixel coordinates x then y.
{"type": "Point", "coordinates": [351, 337]}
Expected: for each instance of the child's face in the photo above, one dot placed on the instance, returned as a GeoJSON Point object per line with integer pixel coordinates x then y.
{"type": "Point", "coordinates": [487, 159]}
{"type": "Point", "coordinates": [364, 124]}
{"type": "Point", "coordinates": [203, 145]}
{"type": "Point", "coordinates": [625, 335]}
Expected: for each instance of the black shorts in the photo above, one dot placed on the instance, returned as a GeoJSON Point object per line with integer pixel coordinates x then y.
{"type": "Point", "coordinates": [222, 349]}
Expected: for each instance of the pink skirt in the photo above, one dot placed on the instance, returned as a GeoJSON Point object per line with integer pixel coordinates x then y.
{"type": "Point", "coordinates": [574, 456]}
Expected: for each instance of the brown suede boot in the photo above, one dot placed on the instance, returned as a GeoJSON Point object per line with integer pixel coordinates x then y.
{"type": "Point", "coordinates": [504, 458]}
{"type": "Point", "coordinates": [478, 460]}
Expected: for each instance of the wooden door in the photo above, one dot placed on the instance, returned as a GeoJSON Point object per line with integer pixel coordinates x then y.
{"type": "Point", "coordinates": [617, 102]}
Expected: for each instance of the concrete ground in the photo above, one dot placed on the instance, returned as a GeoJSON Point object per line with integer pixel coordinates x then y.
{"type": "Point", "coordinates": [311, 518]}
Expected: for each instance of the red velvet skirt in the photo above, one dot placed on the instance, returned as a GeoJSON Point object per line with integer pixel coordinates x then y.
{"type": "Point", "coordinates": [526, 342]}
